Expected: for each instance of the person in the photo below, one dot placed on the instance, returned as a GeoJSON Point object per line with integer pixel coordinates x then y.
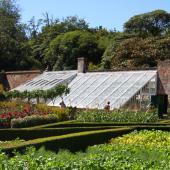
{"type": "Point", "coordinates": [107, 106]}
{"type": "Point", "coordinates": [62, 104]}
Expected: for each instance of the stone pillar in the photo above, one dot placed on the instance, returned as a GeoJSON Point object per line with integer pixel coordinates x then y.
{"type": "Point", "coordinates": [81, 65]}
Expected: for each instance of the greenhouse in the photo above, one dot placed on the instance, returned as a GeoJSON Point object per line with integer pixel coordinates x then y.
{"type": "Point", "coordinates": [48, 80]}
{"type": "Point", "coordinates": [121, 89]}
{"type": "Point", "coordinates": [94, 89]}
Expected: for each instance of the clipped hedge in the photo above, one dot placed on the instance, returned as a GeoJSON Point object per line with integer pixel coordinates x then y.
{"type": "Point", "coordinates": [163, 128]}
{"type": "Point", "coordinates": [27, 134]}
{"type": "Point", "coordinates": [34, 120]}
{"type": "Point", "coordinates": [93, 124]}
{"type": "Point", "coordinates": [53, 125]}
{"type": "Point", "coordinates": [73, 142]}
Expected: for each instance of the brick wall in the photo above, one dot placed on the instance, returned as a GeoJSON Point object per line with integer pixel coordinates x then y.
{"type": "Point", "coordinates": [164, 78]}
{"type": "Point", "coordinates": [16, 78]}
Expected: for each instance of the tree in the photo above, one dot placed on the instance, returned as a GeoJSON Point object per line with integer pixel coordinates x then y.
{"type": "Point", "coordinates": [108, 55]}
{"type": "Point", "coordinates": [13, 41]}
{"type": "Point", "coordinates": [51, 28]}
{"type": "Point", "coordinates": [139, 52]}
{"type": "Point", "coordinates": [33, 27]}
{"type": "Point", "coordinates": [149, 24]}
{"type": "Point", "coordinates": [57, 91]}
{"type": "Point", "coordinates": [65, 49]}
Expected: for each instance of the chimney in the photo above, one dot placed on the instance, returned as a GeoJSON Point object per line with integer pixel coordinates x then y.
{"type": "Point", "coordinates": [81, 65]}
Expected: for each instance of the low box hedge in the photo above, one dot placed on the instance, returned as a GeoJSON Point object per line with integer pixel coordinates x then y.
{"type": "Point", "coordinates": [73, 142]}
{"type": "Point", "coordinates": [163, 128]}
{"type": "Point", "coordinates": [27, 134]}
{"type": "Point", "coordinates": [51, 125]}
{"type": "Point", "coordinates": [93, 124]}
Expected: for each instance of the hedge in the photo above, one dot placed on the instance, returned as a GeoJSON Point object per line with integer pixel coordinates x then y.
{"type": "Point", "coordinates": [27, 134]}
{"type": "Point", "coordinates": [34, 120]}
{"type": "Point", "coordinates": [164, 128]}
{"type": "Point", "coordinates": [93, 124]}
{"type": "Point", "coordinates": [51, 125]}
{"type": "Point", "coordinates": [73, 142]}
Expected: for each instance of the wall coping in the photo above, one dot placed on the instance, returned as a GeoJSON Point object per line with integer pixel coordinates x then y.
{"type": "Point", "coordinates": [23, 72]}
{"type": "Point", "coordinates": [117, 70]}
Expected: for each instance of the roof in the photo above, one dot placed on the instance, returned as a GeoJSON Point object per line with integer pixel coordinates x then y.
{"type": "Point", "coordinates": [93, 90]}
{"type": "Point", "coordinates": [48, 80]}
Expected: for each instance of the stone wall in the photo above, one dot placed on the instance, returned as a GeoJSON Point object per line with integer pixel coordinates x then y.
{"type": "Point", "coordinates": [16, 78]}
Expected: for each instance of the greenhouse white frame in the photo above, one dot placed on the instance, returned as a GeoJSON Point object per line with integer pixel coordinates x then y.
{"type": "Point", "coordinates": [95, 89]}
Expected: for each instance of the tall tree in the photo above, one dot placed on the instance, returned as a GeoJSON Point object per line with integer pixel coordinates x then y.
{"type": "Point", "coordinates": [149, 24]}
{"type": "Point", "coordinates": [50, 30]}
{"type": "Point", "coordinates": [108, 55]}
{"type": "Point", "coordinates": [139, 52]}
{"type": "Point", "coordinates": [14, 53]}
{"type": "Point", "coordinates": [65, 49]}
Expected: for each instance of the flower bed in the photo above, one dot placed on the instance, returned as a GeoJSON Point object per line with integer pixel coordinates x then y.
{"type": "Point", "coordinates": [13, 110]}
{"type": "Point", "coordinates": [117, 116]}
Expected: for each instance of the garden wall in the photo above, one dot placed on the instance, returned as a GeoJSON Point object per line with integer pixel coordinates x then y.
{"type": "Point", "coordinates": [164, 78]}
{"type": "Point", "coordinates": [16, 78]}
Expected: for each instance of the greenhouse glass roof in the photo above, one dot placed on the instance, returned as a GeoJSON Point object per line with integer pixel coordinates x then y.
{"type": "Point", "coordinates": [48, 80]}
{"type": "Point", "coordinates": [94, 90]}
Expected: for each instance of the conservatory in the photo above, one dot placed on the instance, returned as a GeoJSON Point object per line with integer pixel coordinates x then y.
{"type": "Point", "coordinates": [121, 89]}
{"type": "Point", "coordinates": [94, 89]}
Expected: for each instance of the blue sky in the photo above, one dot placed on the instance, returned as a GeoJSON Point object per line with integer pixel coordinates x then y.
{"type": "Point", "coordinates": [108, 13]}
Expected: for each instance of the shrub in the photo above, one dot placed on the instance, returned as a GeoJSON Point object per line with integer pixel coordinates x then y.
{"type": "Point", "coordinates": [116, 116]}
{"type": "Point", "coordinates": [50, 109]}
{"type": "Point", "coordinates": [61, 112]}
{"type": "Point", "coordinates": [34, 120]}
{"type": "Point", "coordinates": [5, 105]}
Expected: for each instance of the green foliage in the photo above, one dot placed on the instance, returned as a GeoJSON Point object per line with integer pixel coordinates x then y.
{"type": "Point", "coordinates": [65, 49]}
{"type": "Point", "coordinates": [11, 142]}
{"type": "Point", "coordinates": [84, 139]}
{"type": "Point", "coordinates": [116, 116]}
{"type": "Point", "coordinates": [149, 24]}
{"type": "Point", "coordinates": [93, 67]}
{"type": "Point", "coordinates": [40, 132]}
{"type": "Point", "coordinates": [39, 43]}
{"type": "Point", "coordinates": [137, 125]}
{"type": "Point", "coordinates": [34, 120]}
{"type": "Point", "coordinates": [109, 53]}
{"type": "Point", "coordinates": [13, 44]}
{"type": "Point", "coordinates": [137, 52]}
{"type": "Point", "coordinates": [57, 44]}
{"type": "Point", "coordinates": [152, 154]}
{"type": "Point", "coordinates": [57, 91]}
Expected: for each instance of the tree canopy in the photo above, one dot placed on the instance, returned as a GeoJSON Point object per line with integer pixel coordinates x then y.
{"type": "Point", "coordinates": [14, 52]}
{"type": "Point", "coordinates": [65, 49]}
{"type": "Point", "coordinates": [57, 43]}
{"type": "Point", "coordinates": [149, 24]}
